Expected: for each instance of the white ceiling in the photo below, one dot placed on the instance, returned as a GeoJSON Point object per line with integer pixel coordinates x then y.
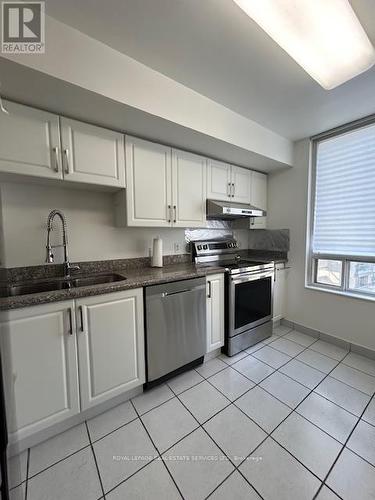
{"type": "Point", "coordinates": [212, 47]}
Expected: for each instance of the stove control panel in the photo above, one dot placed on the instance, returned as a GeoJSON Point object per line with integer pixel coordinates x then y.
{"type": "Point", "coordinates": [214, 247]}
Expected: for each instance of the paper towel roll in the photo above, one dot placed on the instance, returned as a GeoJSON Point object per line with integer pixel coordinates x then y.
{"type": "Point", "coordinates": [157, 253]}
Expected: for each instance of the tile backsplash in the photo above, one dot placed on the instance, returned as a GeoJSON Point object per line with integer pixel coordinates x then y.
{"type": "Point", "coordinates": [269, 239]}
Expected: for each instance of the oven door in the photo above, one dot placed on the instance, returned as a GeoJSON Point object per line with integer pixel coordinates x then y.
{"type": "Point", "coordinates": [250, 301]}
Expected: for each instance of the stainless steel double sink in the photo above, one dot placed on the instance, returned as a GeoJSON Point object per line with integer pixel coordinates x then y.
{"type": "Point", "coordinates": [52, 285]}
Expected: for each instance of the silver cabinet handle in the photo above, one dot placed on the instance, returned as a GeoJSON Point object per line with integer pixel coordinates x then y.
{"type": "Point", "coordinates": [66, 161]}
{"type": "Point", "coordinates": [56, 158]}
{"type": "Point", "coordinates": [70, 321]}
{"type": "Point", "coordinates": [209, 290]}
{"type": "Point", "coordinates": [169, 211]}
{"type": "Point", "coordinates": [229, 189]}
{"type": "Point", "coordinates": [81, 318]}
{"type": "Point", "coordinates": [233, 189]}
{"type": "Point", "coordinates": [175, 213]}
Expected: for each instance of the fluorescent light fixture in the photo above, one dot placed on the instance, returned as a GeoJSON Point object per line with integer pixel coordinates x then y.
{"type": "Point", "coordinates": [325, 37]}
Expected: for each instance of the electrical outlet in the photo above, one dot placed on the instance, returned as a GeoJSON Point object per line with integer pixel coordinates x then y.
{"type": "Point", "coordinates": [176, 247]}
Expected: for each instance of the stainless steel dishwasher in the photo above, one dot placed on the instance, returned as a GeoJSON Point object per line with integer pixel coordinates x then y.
{"type": "Point", "coordinates": [175, 327]}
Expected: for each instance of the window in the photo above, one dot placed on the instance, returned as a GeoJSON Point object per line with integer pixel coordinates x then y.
{"type": "Point", "coordinates": [341, 254]}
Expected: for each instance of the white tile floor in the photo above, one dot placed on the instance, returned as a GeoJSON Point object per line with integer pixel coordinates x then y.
{"type": "Point", "coordinates": [290, 418]}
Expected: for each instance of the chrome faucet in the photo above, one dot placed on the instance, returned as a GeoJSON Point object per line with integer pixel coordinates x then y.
{"type": "Point", "coordinates": [50, 257]}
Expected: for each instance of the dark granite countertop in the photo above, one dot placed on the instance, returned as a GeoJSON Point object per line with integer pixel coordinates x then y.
{"type": "Point", "coordinates": [135, 278]}
{"type": "Point", "coordinates": [137, 273]}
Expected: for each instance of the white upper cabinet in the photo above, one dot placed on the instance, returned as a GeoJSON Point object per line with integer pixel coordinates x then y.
{"type": "Point", "coordinates": [258, 198]}
{"type": "Point", "coordinates": [165, 187]}
{"type": "Point", "coordinates": [218, 180]}
{"type": "Point", "coordinates": [149, 183]}
{"type": "Point", "coordinates": [241, 182]}
{"type": "Point", "coordinates": [227, 182]}
{"type": "Point", "coordinates": [36, 143]}
{"type": "Point", "coordinates": [40, 367]}
{"type": "Point", "coordinates": [30, 142]}
{"type": "Point", "coordinates": [92, 154]}
{"type": "Point", "coordinates": [110, 345]}
{"type": "Point", "coordinates": [188, 189]}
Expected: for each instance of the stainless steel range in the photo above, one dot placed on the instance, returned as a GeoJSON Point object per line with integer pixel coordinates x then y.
{"type": "Point", "coordinates": [248, 291]}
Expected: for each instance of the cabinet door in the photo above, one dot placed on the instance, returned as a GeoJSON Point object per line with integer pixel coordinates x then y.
{"type": "Point", "coordinates": [218, 180]}
{"type": "Point", "coordinates": [110, 345]}
{"type": "Point", "coordinates": [29, 142]}
{"type": "Point", "coordinates": [149, 184]}
{"type": "Point", "coordinates": [40, 367]}
{"type": "Point", "coordinates": [215, 311]}
{"type": "Point", "coordinates": [188, 189]}
{"type": "Point", "coordinates": [258, 198]}
{"type": "Point", "coordinates": [241, 180]}
{"type": "Point", "coordinates": [280, 292]}
{"type": "Point", "coordinates": [92, 154]}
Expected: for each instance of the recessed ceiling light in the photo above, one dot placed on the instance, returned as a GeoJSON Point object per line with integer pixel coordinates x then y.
{"type": "Point", "coordinates": [325, 37]}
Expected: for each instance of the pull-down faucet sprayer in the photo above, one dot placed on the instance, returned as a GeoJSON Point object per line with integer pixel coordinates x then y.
{"type": "Point", "coordinates": [50, 257]}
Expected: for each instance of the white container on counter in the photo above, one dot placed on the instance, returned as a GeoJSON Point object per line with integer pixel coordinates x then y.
{"type": "Point", "coordinates": [157, 253]}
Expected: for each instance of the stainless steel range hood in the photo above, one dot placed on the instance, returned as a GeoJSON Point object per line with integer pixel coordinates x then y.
{"type": "Point", "coordinates": [229, 210]}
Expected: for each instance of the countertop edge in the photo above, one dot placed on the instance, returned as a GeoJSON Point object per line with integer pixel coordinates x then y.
{"type": "Point", "coordinates": [170, 275]}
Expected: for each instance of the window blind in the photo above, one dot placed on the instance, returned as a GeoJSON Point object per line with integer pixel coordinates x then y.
{"type": "Point", "coordinates": [344, 209]}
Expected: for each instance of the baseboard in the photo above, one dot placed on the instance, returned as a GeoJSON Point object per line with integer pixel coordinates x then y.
{"type": "Point", "coordinates": [212, 354]}
{"type": "Point", "coordinates": [364, 351]}
{"type": "Point", "coordinates": [16, 447]}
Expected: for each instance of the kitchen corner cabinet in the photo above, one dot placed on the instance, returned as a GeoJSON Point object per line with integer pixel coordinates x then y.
{"type": "Point", "coordinates": [110, 345]}
{"type": "Point", "coordinates": [280, 292]}
{"type": "Point", "coordinates": [91, 154]}
{"type": "Point", "coordinates": [258, 199]}
{"type": "Point", "coordinates": [227, 182]}
{"type": "Point", "coordinates": [188, 189]}
{"type": "Point", "coordinates": [40, 144]}
{"type": "Point", "coordinates": [149, 184]}
{"type": "Point", "coordinates": [215, 311]}
{"type": "Point", "coordinates": [165, 187]}
{"type": "Point", "coordinates": [30, 142]}
{"type": "Point", "coordinates": [39, 353]}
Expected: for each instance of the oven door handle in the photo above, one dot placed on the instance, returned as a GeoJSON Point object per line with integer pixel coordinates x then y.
{"type": "Point", "coordinates": [252, 277]}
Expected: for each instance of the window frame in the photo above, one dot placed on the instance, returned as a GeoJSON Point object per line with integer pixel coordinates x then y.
{"type": "Point", "coordinates": [312, 258]}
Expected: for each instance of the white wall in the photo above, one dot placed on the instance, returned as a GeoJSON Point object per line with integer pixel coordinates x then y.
{"type": "Point", "coordinates": [92, 233]}
{"type": "Point", "coordinates": [81, 60]}
{"type": "Point", "coordinates": [346, 318]}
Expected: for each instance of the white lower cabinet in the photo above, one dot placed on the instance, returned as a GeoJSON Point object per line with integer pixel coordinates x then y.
{"type": "Point", "coordinates": [215, 311]}
{"type": "Point", "coordinates": [39, 354]}
{"type": "Point", "coordinates": [110, 345]}
{"type": "Point", "coordinates": [280, 292]}
{"type": "Point", "coordinates": [62, 358]}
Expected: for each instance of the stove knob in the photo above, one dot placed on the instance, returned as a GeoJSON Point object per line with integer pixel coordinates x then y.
{"type": "Point", "coordinates": [199, 247]}
{"type": "Point", "coordinates": [205, 247]}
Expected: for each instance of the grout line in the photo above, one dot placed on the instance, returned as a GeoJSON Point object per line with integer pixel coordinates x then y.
{"type": "Point", "coordinates": [269, 434]}
{"type": "Point", "coordinates": [27, 473]}
{"type": "Point", "coordinates": [367, 394]}
{"type": "Point", "coordinates": [58, 461]}
{"type": "Point", "coordinates": [231, 403]}
{"type": "Point", "coordinates": [157, 449]}
{"type": "Point", "coordinates": [345, 447]}
{"type": "Point", "coordinates": [201, 426]}
{"type": "Point", "coordinates": [110, 432]}
{"type": "Point", "coordinates": [138, 470]}
{"type": "Point", "coordinates": [95, 460]}
{"type": "Point", "coordinates": [334, 402]}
